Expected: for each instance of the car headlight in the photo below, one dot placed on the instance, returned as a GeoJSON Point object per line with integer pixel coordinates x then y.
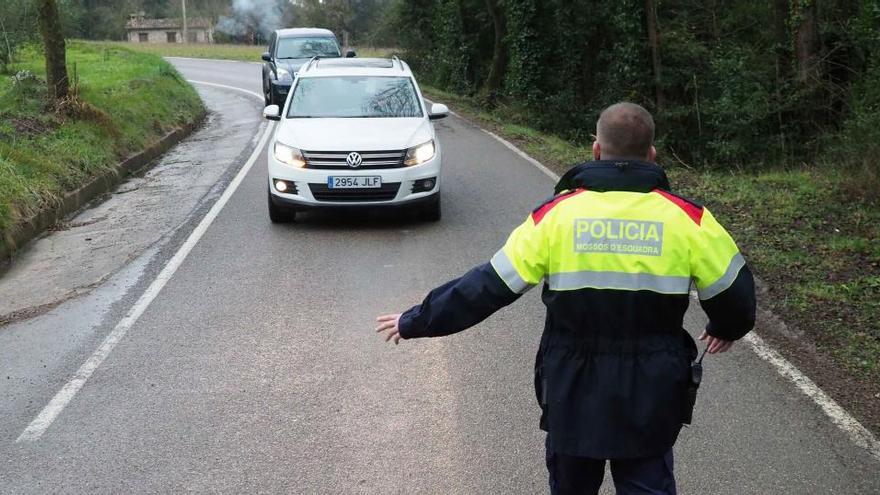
{"type": "Point", "coordinates": [289, 155]}
{"type": "Point", "coordinates": [284, 76]}
{"type": "Point", "coordinates": [419, 154]}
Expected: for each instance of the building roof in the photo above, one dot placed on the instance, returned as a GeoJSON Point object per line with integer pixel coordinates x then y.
{"type": "Point", "coordinates": [136, 23]}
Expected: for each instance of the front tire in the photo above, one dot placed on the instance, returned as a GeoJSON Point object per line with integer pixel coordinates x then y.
{"type": "Point", "coordinates": [280, 214]}
{"type": "Point", "coordinates": [268, 97]}
{"type": "Point", "coordinates": [432, 211]}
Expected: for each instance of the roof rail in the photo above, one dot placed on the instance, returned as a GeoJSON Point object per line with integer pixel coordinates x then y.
{"type": "Point", "coordinates": [399, 62]}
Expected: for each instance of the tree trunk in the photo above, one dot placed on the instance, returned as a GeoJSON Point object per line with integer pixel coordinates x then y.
{"type": "Point", "coordinates": [499, 54]}
{"type": "Point", "coordinates": [781, 33]}
{"type": "Point", "coordinates": [53, 40]}
{"type": "Point", "coordinates": [780, 30]}
{"type": "Point", "coordinates": [654, 42]}
{"type": "Point", "coordinates": [807, 42]}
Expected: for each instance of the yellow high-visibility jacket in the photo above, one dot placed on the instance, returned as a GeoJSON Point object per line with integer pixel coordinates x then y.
{"type": "Point", "coordinates": [617, 254]}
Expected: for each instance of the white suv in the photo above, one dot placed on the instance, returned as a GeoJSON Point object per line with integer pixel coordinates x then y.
{"type": "Point", "coordinates": [354, 132]}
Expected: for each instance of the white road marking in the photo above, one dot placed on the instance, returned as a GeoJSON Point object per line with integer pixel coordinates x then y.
{"type": "Point", "coordinates": [522, 154]}
{"type": "Point", "coordinates": [856, 432]}
{"type": "Point", "coordinates": [512, 147]}
{"type": "Point", "coordinates": [838, 415]}
{"type": "Point", "coordinates": [206, 83]}
{"type": "Point", "coordinates": [214, 60]}
{"type": "Point", "coordinates": [47, 416]}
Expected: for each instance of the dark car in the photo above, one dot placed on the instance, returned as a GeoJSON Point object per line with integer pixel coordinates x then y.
{"type": "Point", "coordinates": [289, 49]}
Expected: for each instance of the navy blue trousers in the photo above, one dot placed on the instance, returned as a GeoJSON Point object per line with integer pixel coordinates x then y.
{"type": "Point", "coordinates": [571, 475]}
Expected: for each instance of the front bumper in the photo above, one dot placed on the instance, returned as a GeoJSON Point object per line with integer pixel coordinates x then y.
{"type": "Point", "coordinates": [279, 92]}
{"type": "Point", "coordinates": [286, 201]}
{"type": "Point", "coordinates": [311, 191]}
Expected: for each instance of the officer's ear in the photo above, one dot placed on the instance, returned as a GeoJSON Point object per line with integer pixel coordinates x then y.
{"type": "Point", "coordinates": [652, 155]}
{"type": "Point", "coordinates": [597, 152]}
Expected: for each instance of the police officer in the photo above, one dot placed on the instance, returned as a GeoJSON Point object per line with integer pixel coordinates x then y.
{"type": "Point", "coordinates": [617, 253]}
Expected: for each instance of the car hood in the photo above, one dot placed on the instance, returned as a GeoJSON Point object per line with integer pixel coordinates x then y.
{"type": "Point", "coordinates": [291, 65]}
{"type": "Point", "coordinates": [354, 134]}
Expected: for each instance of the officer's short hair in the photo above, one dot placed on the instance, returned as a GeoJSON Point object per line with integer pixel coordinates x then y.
{"type": "Point", "coordinates": [625, 130]}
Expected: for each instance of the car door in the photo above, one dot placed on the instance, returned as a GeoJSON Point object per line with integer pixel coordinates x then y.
{"type": "Point", "coordinates": [269, 67]}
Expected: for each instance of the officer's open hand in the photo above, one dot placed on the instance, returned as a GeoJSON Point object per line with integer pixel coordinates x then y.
{"type": "Point", "coordinates": [389, 323]}
{"type": "Point", "coordinates": [715, 344]}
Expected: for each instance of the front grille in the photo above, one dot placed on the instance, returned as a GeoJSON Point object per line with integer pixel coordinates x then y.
{"type": "Point", "coordinates": [385, 193]}
{"type": "Point", "coordinates": [371, 159]}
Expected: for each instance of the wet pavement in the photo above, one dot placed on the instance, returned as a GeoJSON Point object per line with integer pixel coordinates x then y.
{"type": "Point", "coordinates": [83, 251]}
{"type": "Point", "coordinates": [256, 369]}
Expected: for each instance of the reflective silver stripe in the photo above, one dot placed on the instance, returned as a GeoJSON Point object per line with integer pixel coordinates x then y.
{"type": "Point", "coordinates": [666, 284]}
{"type": "Point", "coordinates": [508, 273]}
{"type": "Point", "coordinates": [726, 280]}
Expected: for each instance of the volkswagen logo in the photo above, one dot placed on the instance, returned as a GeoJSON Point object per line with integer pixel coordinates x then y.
{"type": "Point", "coordinates": [354, 159]}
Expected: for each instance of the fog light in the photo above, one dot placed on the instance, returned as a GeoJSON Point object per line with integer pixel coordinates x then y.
{"type": "Point", "coordinates": [280, 185]}
{"type": "Point", "coordinates": [424, 185]}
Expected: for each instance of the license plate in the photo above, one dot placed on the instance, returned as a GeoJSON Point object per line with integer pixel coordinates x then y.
{"type": "Point", "coordinates": [358, 182]}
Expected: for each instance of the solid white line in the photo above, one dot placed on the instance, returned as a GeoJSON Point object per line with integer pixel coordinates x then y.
{"type": "Point", "coordinates": [214, 60]}
{"type": "Point", "coordinates": [857, 433]}
{"type": "Point", "coordinates": [44, 420]}
{"type": "Point", "coordinates": [838, 415]}
{"type": "Point", "coordinates": [522, 154]}
{"type": "Point", "coordinates": [206, 83]}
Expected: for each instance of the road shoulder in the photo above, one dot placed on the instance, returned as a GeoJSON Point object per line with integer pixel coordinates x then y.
{"type": "Point", "coordinates": [82, 251]}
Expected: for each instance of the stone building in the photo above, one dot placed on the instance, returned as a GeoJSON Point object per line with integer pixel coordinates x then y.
{"type": "Point", "coordinates": [139, 29]}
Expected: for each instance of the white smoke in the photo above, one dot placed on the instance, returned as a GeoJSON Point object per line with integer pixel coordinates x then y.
{"type": "Point", "coordinates": [252, 16]}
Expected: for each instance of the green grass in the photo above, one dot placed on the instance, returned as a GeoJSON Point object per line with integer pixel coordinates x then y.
{"type": "Point", "coordinates": [125, 102]}
{"type": "Point", "coordinates": [246, 53]}
{"type": "Point", "coordinates": [508, 122]}
{"type": "Point", "coordinates": [813, 243]}
{"type": "Point", "coordinates": [815, 247]}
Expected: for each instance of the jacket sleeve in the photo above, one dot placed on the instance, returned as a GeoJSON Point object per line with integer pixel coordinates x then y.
{"type": "Point", "coordinates": [470, 299]}
{"type": "Point", "coordinates": [724, 282]}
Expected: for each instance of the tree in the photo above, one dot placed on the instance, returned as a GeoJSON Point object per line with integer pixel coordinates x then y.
{"type": "Point", "coordinates": [654, 42]}
{"type": "Point", "coordinates": [499, 52]}
{"type": "Point", "coordinates": [807, 41]}
{"type": "Point", "coordinates": [780, 29]}
{"type": "Point", "coordinates": [53, 41]}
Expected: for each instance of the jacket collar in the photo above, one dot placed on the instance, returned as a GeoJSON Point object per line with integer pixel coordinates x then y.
{"type": "Point", "coordinates": [614, 175]}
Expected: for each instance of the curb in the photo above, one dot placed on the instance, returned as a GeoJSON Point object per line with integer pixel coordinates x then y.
{"type": "Point", "coordinates": [73, 201]}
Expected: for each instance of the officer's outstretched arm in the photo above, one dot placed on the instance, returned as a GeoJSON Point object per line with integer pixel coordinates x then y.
{"type": "Point", "coordinates": [466, 301]}
{"type": "Point", "coordinates": [724, 281]}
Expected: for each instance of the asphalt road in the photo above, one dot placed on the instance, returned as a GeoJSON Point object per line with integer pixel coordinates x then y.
{"type": "Point", "coordinates": [256, 368]}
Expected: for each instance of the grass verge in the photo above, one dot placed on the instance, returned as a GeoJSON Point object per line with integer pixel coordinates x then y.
{"type": "Point", "coordinates": [125, 101]}
{"type": "Point", "coordinates": [815, 247]}
{"type": "Point", "coordinates": [219, 51]}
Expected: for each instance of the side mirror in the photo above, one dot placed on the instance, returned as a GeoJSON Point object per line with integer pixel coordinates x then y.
{"type": "Point", "coordinates": [350, 54]}
{"type": "Point", "coordinates": [272, 112]}
{"type": "Point", "coordinates": [265, 56]}
{"type": "Point", "coordinates": [438, 111]}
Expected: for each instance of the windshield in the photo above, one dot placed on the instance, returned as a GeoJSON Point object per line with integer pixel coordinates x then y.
{"type": "Point", "coordinates": [307, 47]}
{"type": "Point", "coordinates": [354, 97]}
